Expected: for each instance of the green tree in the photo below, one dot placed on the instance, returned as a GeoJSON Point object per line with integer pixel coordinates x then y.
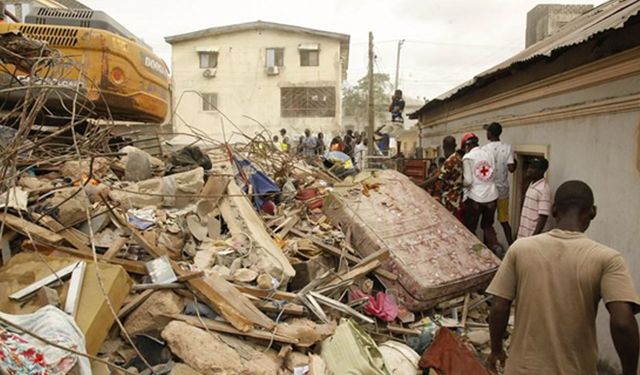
{"type": "Point", "coordinates": [355, 99]}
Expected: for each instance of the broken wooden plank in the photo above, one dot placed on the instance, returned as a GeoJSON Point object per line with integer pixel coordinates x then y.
{"type": "Point", "coordinates": [237, 309]}
{"type": "Point", "coordinates": [144, 241]}
{"type": "Point", "coordinates": [26, 227]}
{"type": "Point", "coordinates": [216, 292]}
{"type": "Point", "coordinates": [264, 293]}
{"type": "Point", "coordinates": [337, 305]}
{"type": "Point", "coordinates": [465, 311]}
{"type": "Point", "coordinates": [226, 328]}
{"type": "Point", "coordinates": [75, 237]}
{"type": "Point", "coordinates": [214, 188]}
{"type": "Point", "coordinates": [339, 253]}
{"type": "Point", "coordinates": [59, 274]}
{"type": "Point", "coordinates": [137, 287]}
{"type": "Point", "coordinates": [131, 266]}
{"type": "Point", "coordinates": [191, 276]}
{"type": "Point", "coordinates": [283, 229]}
{"type": "Point", "coordinates": [286, 309]}
{"type": "Point", "coordinates": [355, 272]}
{"type": "Point", "coordinates": [135, 302]}
{"type": "Point", "coordinates": [115, 247]}
{"type": "Point", "coordinates": [314, 307]}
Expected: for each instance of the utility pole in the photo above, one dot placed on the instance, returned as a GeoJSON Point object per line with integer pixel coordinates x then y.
{"type": "Point", "coordinates": [400, 43]}
{"type": "Point", "coordinates": [371, 148]}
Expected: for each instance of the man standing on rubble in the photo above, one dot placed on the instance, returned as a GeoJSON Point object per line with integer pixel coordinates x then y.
{"type": "Point", "coordinates": [446, 185]}
{"type": "Point", "coordinates": [480, 190]}
{"type": "Point", "coordinates": [505, 164]}
{"type": "Point", "coordinates": [556, 280]}
{"type": "Point", "coordinates": [309, 144]}
{"type": "Point", "coordinates": [285, 144]}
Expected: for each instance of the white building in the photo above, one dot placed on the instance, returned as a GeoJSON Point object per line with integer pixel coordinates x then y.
{"type": "Point", "coordinates": [251, 76]}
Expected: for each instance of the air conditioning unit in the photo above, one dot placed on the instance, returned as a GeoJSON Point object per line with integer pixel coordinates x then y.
{"type": "Point", "coordinates": [209, 73]}
{"type": "Point", "coordinates": [273, 70]}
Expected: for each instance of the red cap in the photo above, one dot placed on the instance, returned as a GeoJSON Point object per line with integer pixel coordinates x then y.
{"type": "Point", "coordinates": [467, 137]}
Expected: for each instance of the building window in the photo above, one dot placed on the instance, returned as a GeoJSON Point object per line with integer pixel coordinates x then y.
{"type": "Point", "coordinates": [309, 57]}
{"type": "Point", "coordinates": [209, 102]}
{"type": "Point", "coordinates": [308, 101]}
{"type": "Point", "coordinates": [275, 57]}
{"type": "Point", "coordinates": [208, 59]}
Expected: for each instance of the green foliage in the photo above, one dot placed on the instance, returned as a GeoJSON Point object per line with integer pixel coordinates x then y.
{"type": "Point", "coordinates": [355, 98]}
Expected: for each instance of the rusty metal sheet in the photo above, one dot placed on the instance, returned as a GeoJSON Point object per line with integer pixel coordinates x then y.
{"type": "Point", "coordinates": [433, 254]}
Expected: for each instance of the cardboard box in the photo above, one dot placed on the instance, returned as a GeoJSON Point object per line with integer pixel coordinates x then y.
{"type": "Point", "coordinates": [93, 315]}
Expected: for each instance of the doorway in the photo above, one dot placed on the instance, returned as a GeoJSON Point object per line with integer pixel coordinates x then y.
{"type": "Point", "coordinates": [519, 184]}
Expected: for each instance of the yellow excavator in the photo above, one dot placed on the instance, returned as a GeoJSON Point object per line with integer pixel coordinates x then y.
{"type": "Point", "coordinates": [117, 72]}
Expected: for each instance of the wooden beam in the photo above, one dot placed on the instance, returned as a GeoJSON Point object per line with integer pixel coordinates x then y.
{"type": "Point", "coordinates": [286, 309]}
{"type": "Point", "coordinates": [354, 273]}
{"type": "Point", "coordinates": [26, 227]}
{"type": "Point", "coordinates": [130, 266]}
{"type": "Point", "coordinates": [75, 237]}
{"type": "Point", "coordinates": [264, 293]}
{"type": "Point", "coordinates": [465, 311]}
{"type": "Point", "coordinates": [339, 253]}
{"type": "Point", "coordinates": [135, 302]}
{"type": "Point", "coordinates": [115, 247]}
{"type": "Point", "coordinates": [337, 305]}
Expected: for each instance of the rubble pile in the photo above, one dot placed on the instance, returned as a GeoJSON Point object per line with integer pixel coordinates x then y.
{"type": "Point", "coordinates": [220, 259]}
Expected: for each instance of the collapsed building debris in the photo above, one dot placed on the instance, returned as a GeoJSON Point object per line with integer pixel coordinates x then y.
{"type": "Point", "coordinates": [232, 258]}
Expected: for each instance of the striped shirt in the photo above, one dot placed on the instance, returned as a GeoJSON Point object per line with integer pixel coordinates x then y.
{"type": "Point", "coordinates": [537, 202]}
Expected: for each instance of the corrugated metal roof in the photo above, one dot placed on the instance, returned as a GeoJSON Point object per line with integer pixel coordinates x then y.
{"type": "Point", "coordinates": [610, 15]}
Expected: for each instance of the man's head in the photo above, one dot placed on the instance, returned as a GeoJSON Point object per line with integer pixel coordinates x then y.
{"type": "Point", "coordinates": [574, 199]}
{"type": "Point", "coordinates": [448, 145]}
{"type": "Point", "coordinates": [469, 142]}
{"type": "Point", "coordinates": [275, 138]}
{"type": "Point", "coordinates": [283, 132]}
{"type": "Point", "coordinates": [398, 94]}
{"type": "Point", "coordinates": [350, 133]}
{"type": "Point", "coordinates": [537, 168]}
{"type": "Point", "coordinates": [493, 131]}
{"type": "Point", "coordinates": [307, 132]}
{"type": "Point", "coordinates": [320, 135]}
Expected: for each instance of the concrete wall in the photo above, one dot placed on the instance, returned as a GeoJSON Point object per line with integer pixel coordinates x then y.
{"type": "Point", "coordinates": [244, 88]}
{"type": "Point", "coordinates": [602, 150]}
{"type": "Point", "coordinates": [545, 19]}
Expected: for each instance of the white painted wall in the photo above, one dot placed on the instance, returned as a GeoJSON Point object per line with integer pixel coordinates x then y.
{"type": "Point", "coordinates": [244, 88]}
{"type": "Point", "coordinates": [602, 150]}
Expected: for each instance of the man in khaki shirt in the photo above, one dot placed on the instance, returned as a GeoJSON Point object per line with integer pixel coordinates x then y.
{"type": "Point", "coordinates": [556, 281]}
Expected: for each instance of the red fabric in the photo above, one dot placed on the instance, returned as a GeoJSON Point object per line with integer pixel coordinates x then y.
{"type": "Point", "coordinates": [449, 356]}
{"type": "Point", "coordinates": [315, 204]}
{"type": "Point", "coordinates": [269, 207]}
{"type": "Point", "coordinates": [382, 306]}
{"type": "Point", "coordinates": [307, 194]}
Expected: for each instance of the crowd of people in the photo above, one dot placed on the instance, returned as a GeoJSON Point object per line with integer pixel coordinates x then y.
{"type": "Point", "coordinates": [354, 144]}
{"type": "Point", "coordinates": [472, 182]}
{"type": "Point", "coordinates": [555, 278]}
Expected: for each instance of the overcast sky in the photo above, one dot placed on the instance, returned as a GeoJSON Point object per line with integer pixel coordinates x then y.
{"type": "Point", "coordinates": [447, 41]}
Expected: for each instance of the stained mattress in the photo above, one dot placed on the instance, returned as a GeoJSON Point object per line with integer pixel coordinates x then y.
{"type": "Point", "coordinates": [434, 256]}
